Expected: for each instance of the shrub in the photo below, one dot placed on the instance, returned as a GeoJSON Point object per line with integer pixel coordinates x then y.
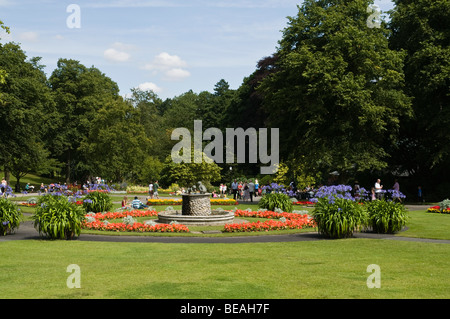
{"type": "Point", "coordinates": [10, 216]}
{"type": "Point", "coordinates": [58, 218]}
{"type": "Point", "coordinates": [444, 205]}
{"type": "Point", "coordinates": [386, 217]}
{"type": "Point", "coordinates": [338, 217]}
{"type": "Point", "coordinates": [276, 200]}
{"type": "Point", "coordinates": [97, 202]}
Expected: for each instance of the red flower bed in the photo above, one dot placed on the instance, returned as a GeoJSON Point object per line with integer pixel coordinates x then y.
{"type": "Point", "coordinates": [303, 202]}
{"type": "Point", "coordinates": [98, 224]}
{"type": "Point", "coordinates": [437, 209]}
{"type": "Point", "coordinates": [293, 221]}
{"type": "Point", "coordinates": [136, 227]}
{"type": "Point", "coordinates": [132, 213]}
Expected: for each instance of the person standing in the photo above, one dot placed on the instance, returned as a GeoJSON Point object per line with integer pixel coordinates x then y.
{"type": "Point", "coordinates": [3, 186]}
{"type": "Point", "coordinates": [419, 194]}
{"type": "Point", "coordinates": [396, 193]}
{"type": "Point", "coordinates": [234, 189]}
{"type": "Point", "coordinates": [155, 189]}
{"type": "Point", "coordinates": [150, 190]}
{"type": "Point", "coordinates": [251, 189]}
{"type": "Point", "coordinates": [245, 192]}
{"type": "Point", "coordinates": [378, 189]}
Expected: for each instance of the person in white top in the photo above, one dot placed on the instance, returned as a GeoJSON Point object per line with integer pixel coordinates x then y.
{"type": "Point", "coordinates": [150, 190]}
{"type": "Point", "coordinates": [378, 189]}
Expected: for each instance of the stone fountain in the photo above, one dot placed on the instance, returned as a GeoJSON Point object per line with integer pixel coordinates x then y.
{"type": "Point", "coordinates": [196, 210]}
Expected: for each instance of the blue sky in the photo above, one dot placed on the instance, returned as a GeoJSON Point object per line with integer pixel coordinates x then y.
{"type": "Point", "coordinates": [167, 46]}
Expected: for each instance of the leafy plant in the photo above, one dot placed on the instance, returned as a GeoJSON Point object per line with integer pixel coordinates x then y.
{"type": "Point", "coordinates": [386, 217]}
{"type": "Point", "coordinates": [10, 216]}
{"type": "Point", "coordinates": [57, 217]}
{"type": "Point", "coordinates": [97, 202]}
{"type": "Point", "coordinates": [338, 217]}
{"type": "Point", "coordinates": [276, 200]}
{"type": "Point", "coordinates": [445, 204]}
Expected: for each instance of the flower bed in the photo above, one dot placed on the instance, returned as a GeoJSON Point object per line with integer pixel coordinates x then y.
{"type": "Point", "coordinates": [79, 202]}
{"type": "Point", "coordinates": [26, 204]}
{"type": "Point", "coordinates": [132, 213]}
{"type": "Point", "coordinates": [164, 201]}
{"type": "Point", "coordinates": [136, 227]}
{"type": "Point", "coordinates": [303, 202]}
{"type": "Point", "coordinates": [437, 209]}
{"type": "Point", "coordinates": [285, 221]}
{"type": "Point", "coordinates": [99, 224]}
{"type": "Point", "coordinates": [223, 201]}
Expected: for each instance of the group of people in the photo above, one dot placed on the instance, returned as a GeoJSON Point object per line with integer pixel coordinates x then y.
{"type": "Point", "coordinates": [153, 190]}
{"type": "Point", "coordinates": [377, 191]}
{"type": "Point", "coordinates": [136, 203]}
{"type": "Point", "coordinates": [245, 190]}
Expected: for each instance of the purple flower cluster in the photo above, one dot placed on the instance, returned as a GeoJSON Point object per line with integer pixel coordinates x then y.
{"type": "Point", "coordinates": [332, 192]}
{"type": "Point", "coordinates": [275, 188]}
{"type": "Point", "coordinates": [345, 192]}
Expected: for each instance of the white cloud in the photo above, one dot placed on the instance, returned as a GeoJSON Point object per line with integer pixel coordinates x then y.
{"type": "Point", "coordinates": [164, 61]}
{"type": "Point", "coordinates": [171, 66]}
{"type": "Point", "coordinates": [114, 55]}
{"type": "Point", "coordinates": [149, 86]}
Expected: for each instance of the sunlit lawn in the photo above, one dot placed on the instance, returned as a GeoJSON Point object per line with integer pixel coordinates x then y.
{"type": "Point", "coordinates": [310, 269]}
{"type": "Point", "coordinates": [287, 270]}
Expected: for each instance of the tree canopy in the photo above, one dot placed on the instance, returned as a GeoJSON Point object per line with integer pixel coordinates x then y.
{"type": "Point", "coordinates": [345, 96]}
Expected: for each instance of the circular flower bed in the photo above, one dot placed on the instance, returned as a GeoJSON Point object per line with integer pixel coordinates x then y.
{"type": "Point", "coordinates": [277, 221]}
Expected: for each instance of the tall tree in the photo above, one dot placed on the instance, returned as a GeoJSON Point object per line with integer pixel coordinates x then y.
{"type": "Point", "coordinates": [79, 93]}
{"type": "Point", "coordinates": [421, 28]}
{"type": "Point", "coordinates": [336, 93]}
{"type": "Point", "coordinates": [116, 144]}
{"type": "Point", "coordinates": [26, 106]}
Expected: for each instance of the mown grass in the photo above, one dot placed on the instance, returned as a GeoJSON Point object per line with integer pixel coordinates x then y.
{"type": "Point", "coordinates": [310, 269]}
{"type": "Point", "coordinates": [287, 270]}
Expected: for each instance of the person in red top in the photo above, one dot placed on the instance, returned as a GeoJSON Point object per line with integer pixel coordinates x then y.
{"type": "Point", "coordinates": [125, 202]}
{"type": "Point", "coordinates": [240, 190]}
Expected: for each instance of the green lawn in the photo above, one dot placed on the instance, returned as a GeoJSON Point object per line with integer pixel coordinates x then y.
{"type": "Point", "coordinates": [428, 225]}
{"type": "Point", "coordinates": [290, 270]}
{"type": "Point", "coordinates": [319, 269]}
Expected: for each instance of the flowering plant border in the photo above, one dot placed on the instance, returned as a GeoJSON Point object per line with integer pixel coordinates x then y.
{"type": "Point", "coordinates": [437, 209]}
{"type": "Point", "coordinates": [99, 223]}
{"type": "Point", "coordinates": [285, 221]}
{"type": "Point", "coordinates": [303, 202]}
